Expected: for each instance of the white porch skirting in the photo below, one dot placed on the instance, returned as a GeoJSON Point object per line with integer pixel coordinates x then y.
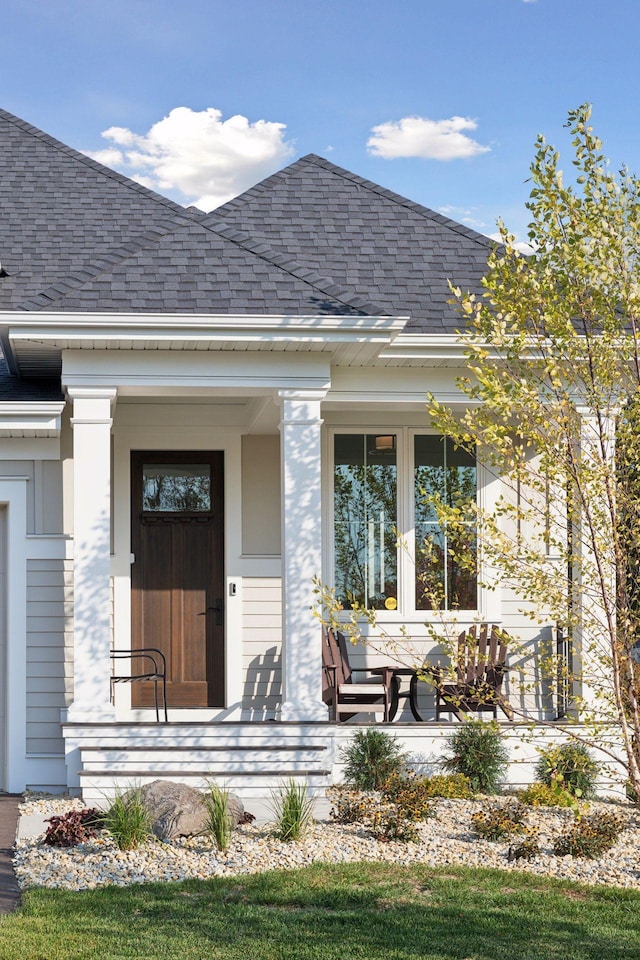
{"type": "Point", "coordinates": [251, 759]}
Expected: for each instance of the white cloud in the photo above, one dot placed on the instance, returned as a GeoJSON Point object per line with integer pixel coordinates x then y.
{"type": "Point", "coordinates": [464, 215]}
{"type": "Point", "coordinates": [208, 159]}
{"type": "Point", "coordinates": [521, 245]}
{"type": "Point", "coordinates": [421, 137]}
{"type": "Point", "coordinates": [110, 157]}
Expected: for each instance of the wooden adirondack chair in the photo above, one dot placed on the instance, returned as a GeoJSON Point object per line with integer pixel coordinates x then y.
{"type": "Point", "coordinates": [480, 666]}
{"type": "Point", "coordinates": [346, 698]}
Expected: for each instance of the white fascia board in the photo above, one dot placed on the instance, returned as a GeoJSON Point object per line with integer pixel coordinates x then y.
{"type": "Point", "coordinates": [193, 371]}
{"type": "Point", "coordinates": [425, 346]}
{"type": "Point", "coordinates": [31, 418]}
{"type": "Point", "coordinates": [67, 329]}
{"type": "Point", "coordinates": [442, 347]}
{"type": "Point", "coordinates": [395, 385]}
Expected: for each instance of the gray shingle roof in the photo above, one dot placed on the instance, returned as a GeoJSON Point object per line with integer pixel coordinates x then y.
{"type": "Point", "coordinates": [394, 252]}
{"type": "Point", "coordinates": [60, 210]}
{"type": "Point", "coordinates": [195, 270]}
{"type": "Point", "coordinates": [313, 238]}
{"type": "Point", "coordinates": [75, 235]}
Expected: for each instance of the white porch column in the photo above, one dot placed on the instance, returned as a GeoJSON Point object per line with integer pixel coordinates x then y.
{"type": "Point", "coordinates": [300, 428]}
{"type": "Point", "coordinates": [92, 547]}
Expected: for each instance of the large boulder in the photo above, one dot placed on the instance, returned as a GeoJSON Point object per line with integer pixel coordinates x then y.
{"type": "Point", "coordinates": [179, 811]}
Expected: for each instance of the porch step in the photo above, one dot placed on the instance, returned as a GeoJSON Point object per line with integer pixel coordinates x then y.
{"type": "Point", "coordinates": [250, 763]}
{"type": "Point", "coordinates": [207, 762]}
{"type": "Point", "coordinates": [100, 786]}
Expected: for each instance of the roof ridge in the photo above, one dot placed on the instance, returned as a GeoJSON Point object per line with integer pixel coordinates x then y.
{"type": "Point", "coordinates": [260, 187]}
{"type": "Point", "coordinates": [316, 160]}
{"type": "Point", "coordinates": [190, 213]}
{"type": "Point", "coordinates": [261, 249]}
{"type": "Point", "coordinates": [101, 265]}
{"type": "Point", "coordinates": [258, 249]}
{"type": "Point", "coordinates": [418, 208]}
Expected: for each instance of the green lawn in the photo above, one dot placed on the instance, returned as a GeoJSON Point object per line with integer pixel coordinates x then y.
{"type": "Point", "coordinates": [324, 912]}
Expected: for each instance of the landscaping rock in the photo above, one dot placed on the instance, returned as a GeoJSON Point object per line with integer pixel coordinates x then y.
{"type": "Point", "coordinates": [179, 811]}
{"type": "Point", "coordinates": [447, 838]}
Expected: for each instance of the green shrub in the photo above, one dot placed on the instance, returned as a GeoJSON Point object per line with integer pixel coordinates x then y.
{"type": "Point", "coordinates": [571, 766]}
{"type": "Point", "coordinates": [293, 810]}
{"type": "Point", "coordinates": [541, 795]}
{"type": "Point", "coordinates": [128, 820]}
{"type": "Point", "coordinates": [499, 820]}
{"type": "Point", "coordinates": [450, 786]}
{"type": "Point", "coordinates": [478, 751]}
{"type": "Point", "coordinates": [370, 758]}
{"type": "Point", "coordinates": [590, 836]}
{"type": "Point", "coordinates": [410, 794]}
{"type": "Point", "coordinates": [219, 820]}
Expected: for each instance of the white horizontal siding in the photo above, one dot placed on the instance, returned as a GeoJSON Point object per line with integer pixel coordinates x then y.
{"type": "Point", "coordinates": [530, 690]}
{"type": "Point", "coordinates": [261, 646]}
{"type": "Point", "coordinates": [49, 653]}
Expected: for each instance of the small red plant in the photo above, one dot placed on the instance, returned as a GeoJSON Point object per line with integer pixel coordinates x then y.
{"type": "Point", "coordinates": [72, 828]}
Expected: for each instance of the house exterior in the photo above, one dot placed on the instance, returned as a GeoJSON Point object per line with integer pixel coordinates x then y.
{"type": "Point", "coordinates": [195, 411]}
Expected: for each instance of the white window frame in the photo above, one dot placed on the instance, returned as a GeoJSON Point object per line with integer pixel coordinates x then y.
{"type": "Point", "coordinates": [405, 464]}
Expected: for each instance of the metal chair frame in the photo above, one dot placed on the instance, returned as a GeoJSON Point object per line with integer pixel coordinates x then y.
{"type": "Point", "coordinates": [157, 674]}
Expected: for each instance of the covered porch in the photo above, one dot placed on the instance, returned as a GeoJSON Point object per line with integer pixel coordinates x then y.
{"type": "Point", "coordinates": [252, 412]}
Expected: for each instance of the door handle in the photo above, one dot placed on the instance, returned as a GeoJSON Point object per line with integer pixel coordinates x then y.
{"type": "Point", "coordinates": [218, 610]}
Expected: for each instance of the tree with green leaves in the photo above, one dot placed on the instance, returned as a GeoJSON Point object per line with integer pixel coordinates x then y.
{"type": "Point", "coordinates": [553, 387]}
{"type": "Point", "coordinates": [553, 383]}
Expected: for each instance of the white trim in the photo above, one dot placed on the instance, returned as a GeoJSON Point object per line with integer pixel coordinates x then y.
{"type": "Point", "coordinates": [189, 373]}
{"type": "Point", "coordinates": [198, 437]}
{"type": "Point", "coordinates": [406, 611]}
{"type": "Point", "coordinates": [32, 419]}
{"type": "Point", "coordinates": [52, 332]}
{"type": "Point", "coordinates": [13, 495]}
{"type": "Point", "coordinates": [101, 324]}
{"type": "Point", "coordinates": [29, 448]}
{"type": "Point", "coordinates": [426, 346]}
{"type": "Point", "coordinates": [489, 490]}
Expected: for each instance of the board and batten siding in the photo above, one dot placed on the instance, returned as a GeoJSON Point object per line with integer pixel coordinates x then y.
{"type": "Point", "coordinates": [261, 647]}
{"type": "Point", "coordinates": [49, 652]}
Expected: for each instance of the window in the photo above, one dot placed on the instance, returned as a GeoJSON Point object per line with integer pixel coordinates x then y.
{"type": "Point", "coordinates": [384, 484]}
{"type": "Point", "coordinates": [365, 520]}
{"type": "Point", "coordinates": [176, 487]}
{"type": "Point", "coordinates": [445, 560]}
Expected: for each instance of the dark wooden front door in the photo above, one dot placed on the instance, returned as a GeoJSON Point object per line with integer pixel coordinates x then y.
{"type": "Point", "coordinates": [177, 578]}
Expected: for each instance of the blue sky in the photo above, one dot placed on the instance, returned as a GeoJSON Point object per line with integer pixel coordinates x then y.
{"type": "Point", "coordinates": [440, 100]}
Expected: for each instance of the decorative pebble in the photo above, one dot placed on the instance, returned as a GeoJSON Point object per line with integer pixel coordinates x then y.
{"type": "Point", "coordinates": [446, 838]}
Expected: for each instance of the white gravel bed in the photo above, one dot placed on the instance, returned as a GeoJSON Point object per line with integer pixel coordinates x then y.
{"type": "Point", "coordinates": [445, 838]}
